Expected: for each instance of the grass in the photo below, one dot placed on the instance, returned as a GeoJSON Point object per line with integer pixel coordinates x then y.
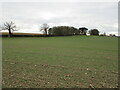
{"type": "Point", "coordinates": [56, 62]}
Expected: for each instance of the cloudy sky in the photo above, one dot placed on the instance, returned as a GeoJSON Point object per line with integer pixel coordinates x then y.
{"type": "Point", "coordinates": [29, 16]}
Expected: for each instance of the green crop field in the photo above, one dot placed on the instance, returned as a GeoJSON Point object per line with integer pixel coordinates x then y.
{"type": "Point", "coordinates": [56, 62]}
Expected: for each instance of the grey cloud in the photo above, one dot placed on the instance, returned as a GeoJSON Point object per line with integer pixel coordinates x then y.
{"type": "Point", "coordinates": [101, 15]}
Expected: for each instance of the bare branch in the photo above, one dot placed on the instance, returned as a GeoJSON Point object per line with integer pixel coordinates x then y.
{"type": "Point", "coordinates": [13, 26]}
{"type": "Point", "coordinates": [5, 24]}
{"type": "Point", "coordinates": [11, 23]}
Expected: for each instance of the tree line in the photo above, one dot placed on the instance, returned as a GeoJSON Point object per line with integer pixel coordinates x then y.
{"type": "Point", "coordinates": [67, 31]}
{"type": "Point", "coordinates": [54, 31]}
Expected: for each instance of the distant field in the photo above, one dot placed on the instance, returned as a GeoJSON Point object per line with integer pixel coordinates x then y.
{"type": "Point", "coordinates": [14, 33]}
{"type": "Point", "coordinates": [56, 62]}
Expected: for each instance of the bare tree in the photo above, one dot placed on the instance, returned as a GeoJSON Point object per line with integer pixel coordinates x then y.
{"type": "Point", "coordinates": [10, 26]}
{"type": "Point", "coordinates": [45, 28]}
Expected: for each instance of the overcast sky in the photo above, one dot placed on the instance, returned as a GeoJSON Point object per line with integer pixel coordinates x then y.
{"type": "Point", "coordinates": [29, 16]}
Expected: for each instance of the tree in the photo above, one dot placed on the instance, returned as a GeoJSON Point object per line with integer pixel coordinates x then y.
{"type": "Point", "coordinates": [83, 30]}
{"type": "Point", "coordinates": [112, 35]}
{"type": "Point", "coordinates": [45, 28]}
{"type": "Point", "coordinates": [104, 34]}
{"type": "Point", "coordinates": [74, 31]}
{"type": "Point", "coordinates": [63, 31]}
{"type": "Point", "coordinates": [50, 31]}
{"type": "Point", "coordinates": [94, 32]}
{"type": "Point", "coordinates": [10, 26]}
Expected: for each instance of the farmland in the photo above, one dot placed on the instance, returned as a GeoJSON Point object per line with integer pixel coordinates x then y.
{"type": "Point", "coordinates": [56, 62]}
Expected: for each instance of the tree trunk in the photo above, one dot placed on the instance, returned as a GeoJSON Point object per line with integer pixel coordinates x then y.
{"type": "Point", "coordinates": [45, 31]}
{"type": "Point", "coordinates": [10, 34]}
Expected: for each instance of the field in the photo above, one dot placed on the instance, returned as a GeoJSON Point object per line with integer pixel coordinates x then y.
{"type": "Point", "coordinates": [56, 62]}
